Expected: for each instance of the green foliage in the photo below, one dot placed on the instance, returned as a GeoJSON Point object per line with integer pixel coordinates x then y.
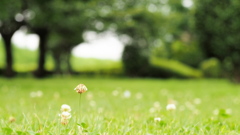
{"type": "Point", "coordinates": [173, 68]}
{"type": "Point", "coordinates": [161, 50]}
{"type": "Point", "coordinates": [218, 26]}
{"type": "Point", "coordinates": [211, 67]}
{"type": "Point", "coordinates": [189, 54]}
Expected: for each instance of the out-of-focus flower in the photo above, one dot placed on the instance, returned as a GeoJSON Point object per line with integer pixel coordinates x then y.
{"type": "Point", "coordinates": [39, 93]}
{"type": "Point", "coordinates": [156, 104]}
{"type": "Point", "coordinates": [11, 119]}
{"type": "Point", "coordinates": [157, 119]}
{"type": "Point", "coordinates": [65, 108]}
{"type": "Point", "coordinates": [92, 103]}
{"type": "Point", "coordinates": [89, 96]}
{"type": "Point", "coordinates": [127, 94]}
{"type": "Point", "coordinates": [216, 112]}
{"type": "Point", "coordinates": [197, 101]}
{"type": "Point", "coordinates": [34, 94]}
{"type": "Point", "coordinates": [81, 88]}
{"type": "Point", "coordinates": [65, 115]}
{"type": "Point", "coordinates": [171, 107]}
{"type": "Point", "coordinates": [152, 110]}
{"type": "Point", "coordinates": [139, 95]}
{"type": "Point", "coordinates": [80, 130]}
{"type": "Point", "coordinates": [229, 111]}
{"type": "Point", "coordinates": [115, 92]}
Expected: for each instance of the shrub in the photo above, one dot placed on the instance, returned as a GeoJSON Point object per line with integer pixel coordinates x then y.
{"type": "Point", "coordinates": [135, 62]}
{"type": "Point", "coordinates": [173, 68]}
{"type": "Point", "coordinates": [211, 67]}
{"type": "Point", "coordinates": [189, 54]}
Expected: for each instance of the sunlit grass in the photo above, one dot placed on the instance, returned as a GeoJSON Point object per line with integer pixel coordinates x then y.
{"type": "Point", "coordinates": [120, 106]}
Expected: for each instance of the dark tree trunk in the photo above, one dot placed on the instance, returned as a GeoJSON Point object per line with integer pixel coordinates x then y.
{"type": "Point", "coordinates": [9, 56]}
{"type": "Point", "coordinates": [68, 60]}
{"type": "Point", "coordinates": [57, 63]}
{"type": "Point", "coordinates": [43, 34]}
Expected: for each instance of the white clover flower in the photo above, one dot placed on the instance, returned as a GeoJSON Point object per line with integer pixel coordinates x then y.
{"type": "Point", "coordinates": [127, 94]}
{"type": "Point", "coordinates": [80, 129]}
{"type": "Point", "coordinates": [152, 110]}
{"type": "Point", "coordinates": [216, 112]}
{"type": "Point", "coordinates": [65, 115]}
{"type": "Point", "coordinates": [229, 111]}
{"type": "Point", "coordinates": [139, 95]}
{"type": "Point", "coordinates": [39, 93]}
{"type": "Point", "coordinates": [157, 119]}
{"type": "Point", "coordinates": [92, 103]}
{"type": "Point", "coordinates": [197, 101]}
{"type": "Point", "coordinates": [33, 94]}
{"type": "Point", "coordinates": [171, 107]}
{"type": "Point", "coordinates": [65, 108]}
{"type": "Point", "coordinates": [81, 88]}
{"type": "Point", "coordinates": [115, 92]}
{"type": "Point", "coordinates": [156, 104]}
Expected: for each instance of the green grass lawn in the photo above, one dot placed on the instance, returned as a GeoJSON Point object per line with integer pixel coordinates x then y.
{"type": "Point", "coordinates": [118, 106]}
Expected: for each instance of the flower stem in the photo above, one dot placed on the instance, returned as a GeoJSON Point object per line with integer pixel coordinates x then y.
{"type": "Point", "coordinates": [79, 108]}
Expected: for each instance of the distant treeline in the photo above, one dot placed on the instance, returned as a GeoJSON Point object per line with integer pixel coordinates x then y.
{"type": "Point", "coordinates": [166, 38]}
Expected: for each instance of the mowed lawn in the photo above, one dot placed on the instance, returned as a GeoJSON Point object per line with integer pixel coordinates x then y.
{"type": "Point", "coordinates": [118, 106]}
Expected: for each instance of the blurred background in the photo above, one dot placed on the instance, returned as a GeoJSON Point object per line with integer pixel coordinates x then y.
{"type": "Point", "coordinates": [154, 38]}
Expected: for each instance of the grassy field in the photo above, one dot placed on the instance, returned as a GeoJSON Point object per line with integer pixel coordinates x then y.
{"type": "Point", "coordinates": [118, 106]}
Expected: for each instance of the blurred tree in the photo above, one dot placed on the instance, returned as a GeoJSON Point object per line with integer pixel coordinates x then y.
{"type": "Point", "coordinates": [218, 26]}
{"type": "Point", "coordinates": [149, 24]}
{"type": "Point", "coordinates": [178, 39]}
{"type": "Point", "coordinates": [11, 19]}
{"type": "Point", "coordinates": [141, 26]}
{"type": "Point", "coordinates": [41, 24]}
{"type": "Point", "coordinates": [73, 18]}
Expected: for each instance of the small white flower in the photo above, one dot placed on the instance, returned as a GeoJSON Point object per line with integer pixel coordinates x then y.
{"type": "Point", "coordinates": [171, 107]}
{"type": "Point", "coordinates": [33, 94]}
{"type": "Point", "coordinates": [92, 103]}
{"type": "Point", "coordinates": [80, 130]}
{"type": "Point", "coordinates": [127, 94]}
{"type": "Point", "coordinates": [157, 119]}
{"type": "Point", "coordinates": [65, 108]}
{"type": "Point", "coordinates": [152, 110]}
{"type": "Point", "coordinates": [216, 112]}
{"type": "Point", "coordinates": [39, 93]}
{"type": "Point", "coordinates": [229, 111]}
{"type": "Point", "coordinates": [66, 115]}
{"type": "Point", "coordinates": [156, 104]}
{"type": "Point", "coordinates": [197, 101]}
{"type": "Point", "coordinates": [139, 95]}
{"type": "Point", "coordinates": [115, 92]}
